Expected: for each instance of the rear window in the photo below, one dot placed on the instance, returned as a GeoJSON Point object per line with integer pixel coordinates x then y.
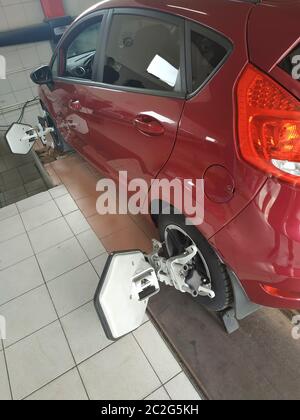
{"type": "Point", "coordinates": [291, 64]}
{"type": "Point", "coordinates": [208, 52]}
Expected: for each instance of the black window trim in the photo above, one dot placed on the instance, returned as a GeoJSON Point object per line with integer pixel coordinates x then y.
{"type": "Point", "coordinates": [165, 17]}
{"type": "Point", "coordinates": [187, 26]}
{"type": "Point", "coordinates": [70, 34]}
{"type": "Point", "coordinates": [101, 50]}
{"type": "Point", "coordinates": [53, 58]}
{"type": "Point", "coordinates": [219, 38]}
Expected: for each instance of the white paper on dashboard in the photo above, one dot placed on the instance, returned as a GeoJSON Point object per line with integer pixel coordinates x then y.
{"type": "Point", "coordinates": [160, 68]}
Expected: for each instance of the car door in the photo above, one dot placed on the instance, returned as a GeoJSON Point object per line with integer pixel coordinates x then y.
{"type": "Point", "coordinates": [134, 108]}
{"type": "Point", "coordinates": [73, 68]}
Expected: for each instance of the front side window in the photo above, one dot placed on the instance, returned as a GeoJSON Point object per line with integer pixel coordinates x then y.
{"type": "Point", "coordinates": [81, 50]}
{"type": "Point", "coordinates": [143, 52]}
{"type": "Point", "coordinates": [207, 54]}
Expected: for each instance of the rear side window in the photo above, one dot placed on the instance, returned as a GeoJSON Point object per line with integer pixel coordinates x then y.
{"type": "Point", "coordinates": [291, 64]}
{"type": "Point", "coordinates": [143, 52]}
{"type": "Point", "coordinates": [208, 51]}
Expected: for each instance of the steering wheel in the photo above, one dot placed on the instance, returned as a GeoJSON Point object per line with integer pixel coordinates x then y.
{"type": "Point", "coordinates": [85, 71]}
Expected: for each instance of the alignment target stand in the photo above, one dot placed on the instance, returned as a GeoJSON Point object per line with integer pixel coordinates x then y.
{"type": "Point", "coordinates": [131, 278]}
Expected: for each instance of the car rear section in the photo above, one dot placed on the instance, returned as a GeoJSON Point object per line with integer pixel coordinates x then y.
{"type": "Point", "coordinates": [262, 244]}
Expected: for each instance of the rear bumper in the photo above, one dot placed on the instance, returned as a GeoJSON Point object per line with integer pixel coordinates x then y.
{"type": "Point", "coordinates": [262, 246]}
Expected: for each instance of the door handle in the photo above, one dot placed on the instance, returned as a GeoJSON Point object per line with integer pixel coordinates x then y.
{"type": "Point", "coordinates": [148, 125]}
{"type": "Point", "coordinates": [75, 105]}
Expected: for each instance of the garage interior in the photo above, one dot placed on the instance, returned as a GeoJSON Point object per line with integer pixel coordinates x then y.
{"type": "Point", "coordinates": [53, 248]}
{"type": "Point", "coordinates": [58, 350]}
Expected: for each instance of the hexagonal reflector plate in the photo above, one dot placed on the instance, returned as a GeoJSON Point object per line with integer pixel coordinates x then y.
{"type": "Point", "coordinates": [20, 138]}
{"type": "Point", "coordinates": [123, 293]}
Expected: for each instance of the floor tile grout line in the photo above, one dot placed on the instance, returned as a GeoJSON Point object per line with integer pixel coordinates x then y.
{"type": "Point", "coordinates": [46, 223]}
{"type": "Point", "coordinates": [172, 352]}
{"type": "Point", "coordinates": [161, 383]}
{"type": "Point", "coordinates": [48, 383]}
{"type": "Point", "coordinates": [49, 281]}
{"type": "Point", "coordinates": [61, 326]}
{"type": "Point", "coordinates": [97, 214]}
{"type": "Point", "coordinates": [52, 246]}
{"type": "Point", "coordinates": [175, 376]}
{"type": "Point", "coordinates": [96, 353]}
{"type": "Point", "coordinates": [61, 242]}
{"type": "Point", "coordinates": [72, 269]}
{"type": "Point", "coordinates": [104, 249]}
{"type": "Point", "coordinates": [65, 240]}
{"type": "Point", "coordinates": [52, 322]}
{"type": "Point", "coordinates": [177, 358]}
{"type": "Point", "coordinates": [42, 224]}
{"type": "Point", "coordinates": [60, 317]}
{"type": "Point", "coordinates": [162, 386]}
{"type": "Point", "coordinates": [11, 238]}
{"type": "Point", "coordinates": [189, 378]}
{"type": "Point", "coordinates": [76, 234]}
{"type": "Point", "coordinates": [111, 343]}
{"type": "Point", "coordinates": [32, 333]}
{"type": "Point", "coordinates": [168, 392]}
{"type": "Point", "coordinates": [10, 215]}
{"type": "Point", "coordinates": [20, 261]}
{"type": "Point", "coordinates": [7, 371]}
{"type": "Point", "coordinates": [34, 207]}
{"type": "Point", "coordinates": [167, 343]}
{"type": "Point", "coordinates": [40, 252]}
{"type": "Point", "coordinates": [22, 295]}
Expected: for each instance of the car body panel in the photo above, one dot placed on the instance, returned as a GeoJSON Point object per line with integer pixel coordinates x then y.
{"type": "Point", "coordinates": [251, 220]}
{"type": "Point", "coordinates": [273, 31]}
{"type": "Point", "coordinates": [113, 143]}
{"type": "Point", "coordinates": [207, 12]}
{"type": "Point", "coordinates": [262, 245]}
{"type": "Point", "coordinates": [206, 139]}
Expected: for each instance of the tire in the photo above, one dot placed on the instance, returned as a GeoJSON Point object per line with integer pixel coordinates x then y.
{"type": "Point", "coordinates": [60, 144]}
{"type": "Point", "coordinates": [219, 278]}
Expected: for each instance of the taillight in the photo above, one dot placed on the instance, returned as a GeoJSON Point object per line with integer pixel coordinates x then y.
{"type": "Point", "coordinates": [269, 125]}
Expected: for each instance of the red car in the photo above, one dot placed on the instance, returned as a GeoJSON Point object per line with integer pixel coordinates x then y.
{"type": "Point", "coordinates": [192, 89]}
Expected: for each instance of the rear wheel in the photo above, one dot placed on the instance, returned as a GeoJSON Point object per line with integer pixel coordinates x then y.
{"type": "Point", "coordinates": [206, 266]}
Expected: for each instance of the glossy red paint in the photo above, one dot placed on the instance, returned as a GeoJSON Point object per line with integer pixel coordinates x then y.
{"type": "Point", "coordinates": [112, 140]}
{"type": "Point", "coordinates": [262, 245]}
{"type": "Point", "coordinates": [273, 31]}
{"type": "Point", "coordinates": [250, 219]}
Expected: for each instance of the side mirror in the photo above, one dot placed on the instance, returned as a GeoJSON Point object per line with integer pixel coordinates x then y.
{"type": "Point", "coordinates": [21, 138]}
{"type": "Point", "coordinates": [42, 76]}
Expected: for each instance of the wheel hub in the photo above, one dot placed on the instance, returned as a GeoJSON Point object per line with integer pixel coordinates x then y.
{"type": "Point", "coordinates": [196, 273]}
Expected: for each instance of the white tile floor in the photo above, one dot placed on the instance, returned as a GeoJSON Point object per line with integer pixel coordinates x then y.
{"type": "Point", "coordinates": [50, 261]}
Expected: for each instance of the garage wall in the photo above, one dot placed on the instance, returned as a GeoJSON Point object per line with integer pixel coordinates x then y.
{"type": "Point", "coordinates": [23, 59]}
